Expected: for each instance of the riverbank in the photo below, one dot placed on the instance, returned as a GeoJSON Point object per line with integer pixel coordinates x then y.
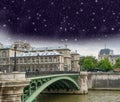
{"type": "Point", "coordinates": [104, 81]}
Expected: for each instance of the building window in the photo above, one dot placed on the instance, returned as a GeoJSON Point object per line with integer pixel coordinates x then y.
{"type": "Point", "coordinates": [4, 62]}
{"type": "Point", "coordinates": [50, 59]}
{"type": "Point", "coordinates": [41, 59]}
{"type": "Point", "coordinates": [17, 60]}
{"type": "Point", "coordinates": [33, 60]}
{"type": "Point", "coordinates": [25, 60]}
{"type": "Point", "coordinates": [51, 66]}
{"type": "Point", "coordinates": [45, 66]}
{"type": "Point", "coordinates": [50, 69]}
{"type": "Point", "coordinates": [28, 60]}
{"type": "Point", "coordinates": [4, 54]}
{"type": "Point", "coordinates": [12, 61]}
{"type": "Point", "coordinates": [55, 59]}
{"type": "Point", "coordinates": [61, 52]}
{"type": "Point", "coordinates": [20, 60]}
{"type": "Point", "coordinates": [37, 60]}
{"type": "Point", "coordinates": [45, 59]}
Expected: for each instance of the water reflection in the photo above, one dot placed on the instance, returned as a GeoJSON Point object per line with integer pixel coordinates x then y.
{"type": "Point", "coordinates": [93, 96]}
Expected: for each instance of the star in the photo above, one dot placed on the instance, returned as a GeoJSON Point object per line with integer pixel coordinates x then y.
{"type": "Point", "coordinates": [29, 17]}
{"type": "Point", "coordinates": [81, 3]}
{"type": "Point", "coordinates": [4, 7]}
{"type": "Point", "coordinates": [103, 20]}
{"type": "Point", "coordinates": [102, 8]}
{"type": "Point", "coordinates": [61, 18]}
{"type": "Point", "coordinates": [77, 12]}
{"type": "Point", "coordinates": [52, 3]}
{"type": "Point", "coordinates": [81, 10]}
{"type": "Point", "coordinates": [96, 1]}
{"type": "Point", "coordinates": [18, 18]}
{"type": "Point", "coordinates": [45, 25]}
{"type": "Point", "coordinates": [33, 23]}
{"type": "Point", "coordinates": [112, 29]}
{"type": "Point", "coordinates": [4, 25]}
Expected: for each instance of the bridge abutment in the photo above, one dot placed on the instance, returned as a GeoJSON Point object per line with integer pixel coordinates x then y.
{"type": "Point", "coordinates": [82, 81]}
{"type": "Point", "coordinates": [11, 86]}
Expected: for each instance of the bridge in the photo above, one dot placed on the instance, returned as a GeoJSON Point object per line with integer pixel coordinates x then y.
{"type": "Point", "coordinates": [25, 88]}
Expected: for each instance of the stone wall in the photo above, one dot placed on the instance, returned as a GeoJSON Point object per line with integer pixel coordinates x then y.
{"type": "Point", "coordinates": [103, 80]}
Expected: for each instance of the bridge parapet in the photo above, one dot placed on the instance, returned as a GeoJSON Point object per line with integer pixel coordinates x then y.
{"type": "Point", "coordinates": [46, 73]}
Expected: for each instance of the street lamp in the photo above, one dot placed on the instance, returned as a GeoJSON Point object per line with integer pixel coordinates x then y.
{"type": "Point", "coordinates": [15, 68]}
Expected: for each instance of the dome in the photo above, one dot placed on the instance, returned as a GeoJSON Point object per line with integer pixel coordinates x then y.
{"type": "Point", "coordinates": [106, 52]}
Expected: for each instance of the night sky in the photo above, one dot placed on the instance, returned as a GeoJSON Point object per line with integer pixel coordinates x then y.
{"type": "Point", "coordinates": [61, 19]}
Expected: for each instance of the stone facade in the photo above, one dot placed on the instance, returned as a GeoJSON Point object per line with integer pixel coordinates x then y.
{"type": "Point", "coordinates": [42, 59]}
{"type": "Point", "coordinates": [74, 61]}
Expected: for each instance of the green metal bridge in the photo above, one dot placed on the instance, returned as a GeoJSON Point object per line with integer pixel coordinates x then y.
{"type": "Point", "coordinates": [38, 84]}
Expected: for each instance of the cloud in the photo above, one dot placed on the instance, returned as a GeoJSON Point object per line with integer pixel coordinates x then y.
{"type": "Point", "coordinates": [4, 37]}
{"type": "Point", "coordinates": [83, 47]}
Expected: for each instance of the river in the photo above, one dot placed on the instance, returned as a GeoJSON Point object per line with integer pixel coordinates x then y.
{"type": "Point", "coordinates": [93, 96]}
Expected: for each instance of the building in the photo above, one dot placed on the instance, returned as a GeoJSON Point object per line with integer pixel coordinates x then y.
{"type": "Point", "coordinates": [43, 59]}
{"type": "Point", "coordinates": [75, 57]}
{"type": "Point", "coordinates": [108, 53]}
{"type": "Point", "coordinates": [66, 52]}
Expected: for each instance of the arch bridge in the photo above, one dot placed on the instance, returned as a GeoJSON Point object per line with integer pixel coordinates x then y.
{"type": "Point", "coordinates": [18, 87]}
{"type": "Point", "coordinates": [54, 83]}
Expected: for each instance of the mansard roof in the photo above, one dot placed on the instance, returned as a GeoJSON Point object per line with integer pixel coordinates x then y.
{"type": "Point", "coordinates": [51, 53]}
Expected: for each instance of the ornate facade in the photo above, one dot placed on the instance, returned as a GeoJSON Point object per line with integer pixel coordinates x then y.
{"type": "Point", "coordinates": [38, 59]}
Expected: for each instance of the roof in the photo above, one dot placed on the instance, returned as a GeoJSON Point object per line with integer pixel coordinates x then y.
{"type": "Point", "coordinates": [50, 48]}
{"type": "Point", "coordinates": [37, 54]}
{"type": "Point", "coordinates": [106, 51]}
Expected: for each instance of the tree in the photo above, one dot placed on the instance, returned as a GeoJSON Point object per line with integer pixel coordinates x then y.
{"type": "Point", "coordinates": [88, 62]}
{"type": "Point", "coordinates": [117, 64]}
{"type": "Point", "coordinates": [104, 65]}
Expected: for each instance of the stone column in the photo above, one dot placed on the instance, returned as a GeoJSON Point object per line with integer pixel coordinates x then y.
{"type": "Point", "coordinates": [11, 86]}
{"type": "Point", "coordinates": [82, 81]}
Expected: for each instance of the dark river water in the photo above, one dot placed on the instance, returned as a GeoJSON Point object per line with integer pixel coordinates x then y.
{"type": "Point", "coordinates": [93, 96]}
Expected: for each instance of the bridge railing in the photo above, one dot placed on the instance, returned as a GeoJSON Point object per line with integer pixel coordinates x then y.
{"type": "Point", "coordinates": [43, 73]}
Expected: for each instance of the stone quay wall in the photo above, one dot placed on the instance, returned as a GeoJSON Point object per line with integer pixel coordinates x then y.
{"type": "Point", "coordinates": [104, 80]}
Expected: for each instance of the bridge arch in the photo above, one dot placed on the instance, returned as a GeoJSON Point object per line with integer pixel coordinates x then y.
{"type": "Point", "coordinates": [45, 85]}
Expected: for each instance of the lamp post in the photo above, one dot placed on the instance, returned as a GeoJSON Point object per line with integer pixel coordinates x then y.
{"type": "Point", "coordinates": [15, 68]}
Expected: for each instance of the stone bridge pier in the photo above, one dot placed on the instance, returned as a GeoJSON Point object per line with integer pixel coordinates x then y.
{"type": "Point", "coordinates": [82, 81]}
{"type": "Point", "coordinates": [11, 86]}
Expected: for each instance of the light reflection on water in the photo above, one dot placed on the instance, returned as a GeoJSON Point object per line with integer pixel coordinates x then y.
{"type": "Point", "coordinates": [93, 96]}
